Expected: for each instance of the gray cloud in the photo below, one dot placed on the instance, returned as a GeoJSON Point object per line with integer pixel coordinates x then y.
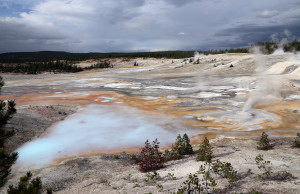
{"type": "Point", "coordinates": [250, 34]}
{"type": "Point", "coordinates": [143, 25]}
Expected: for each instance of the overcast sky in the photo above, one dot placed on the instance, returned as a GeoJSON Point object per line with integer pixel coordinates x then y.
{"type": "Point", "coordinates": [144, 25]}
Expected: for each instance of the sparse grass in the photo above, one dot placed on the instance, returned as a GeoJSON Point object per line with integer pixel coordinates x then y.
{"type": "Point", "coordinates": [107, 183]}
{"type": "Point", "coordinates": [253, 191]}
{"type": "Point", "coordinates": [159, 187]}
{"type": "Point", "coordinates": [136, 185]}
{"type": "Point", "coordinates": [171, 176]}
{"type": "Point", "coordinates": [152, 178]}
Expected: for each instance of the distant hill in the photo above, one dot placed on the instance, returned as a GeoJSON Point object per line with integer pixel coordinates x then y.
{"type": "Point", "coordinates": [46, 56]}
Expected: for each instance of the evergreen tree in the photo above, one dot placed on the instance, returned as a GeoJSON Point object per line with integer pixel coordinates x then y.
{"type": "Point", "coordinates": [205, 151]}
{"type": "Point", "coordinates": [150, 158]}
{"type": "Point", "coordinates": [24, 187]}
{"type": "Point", "coordinates": [264, 142]}
{"type": "Point", "coordinates": [179, 147]}
{"type": "Point", "coordinates": [297, 141]}
{"type": "Point", "coordinates": [6, 159]}
{"type": "Point", "coordinates": [186, 144]}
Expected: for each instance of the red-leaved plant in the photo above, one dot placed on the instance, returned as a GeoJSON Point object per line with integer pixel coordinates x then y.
{"type": "Point", "coordinates": [150, 158]}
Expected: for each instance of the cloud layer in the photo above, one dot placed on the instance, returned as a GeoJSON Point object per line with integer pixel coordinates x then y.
{"type": "Point", "coordinates": [142, 25]}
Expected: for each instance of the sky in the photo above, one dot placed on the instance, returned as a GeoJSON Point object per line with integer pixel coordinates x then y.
{"type": "Point", "coordinates": [144, 25]}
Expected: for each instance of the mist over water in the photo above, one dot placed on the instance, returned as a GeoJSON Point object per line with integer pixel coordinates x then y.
{"type": "Point", "coordinates": [96, 128]}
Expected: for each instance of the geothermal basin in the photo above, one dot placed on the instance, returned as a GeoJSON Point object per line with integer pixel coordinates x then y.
{"type": "Point", "coordinates": [119, 109]}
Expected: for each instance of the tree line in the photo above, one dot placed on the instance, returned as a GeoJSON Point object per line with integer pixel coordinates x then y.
{"type": "Point", "coordinates": [51, 66]}
{"type": "Point", "coordinates": [48, 56]}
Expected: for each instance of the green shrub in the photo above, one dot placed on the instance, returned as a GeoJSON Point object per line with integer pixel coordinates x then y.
{"type": "Point", "coordinates": [24, 187]}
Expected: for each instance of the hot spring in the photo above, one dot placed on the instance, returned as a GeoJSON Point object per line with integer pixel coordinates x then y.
{"type": "Point", "coordinates": [95, 129]}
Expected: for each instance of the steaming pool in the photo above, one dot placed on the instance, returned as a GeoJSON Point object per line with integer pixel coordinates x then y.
{"type": "Point", "coordinates": [94, 129]}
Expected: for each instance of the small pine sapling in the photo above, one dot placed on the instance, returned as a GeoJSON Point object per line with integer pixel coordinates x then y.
{"type": "Point", "coordinates": [191, 185]}
{"type": "Point", "coordinates": [265, 166]}
{"type": "Point", "coordinates": [208, 182]}
{"type": "Point", "coordinates": [264, 142]}
{"type": "Point", "coordinates": [225, 170]}
{"type": "Point", "coordinates": [297, 141]}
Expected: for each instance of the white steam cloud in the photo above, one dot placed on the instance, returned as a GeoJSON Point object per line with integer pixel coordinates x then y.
{"type": "Point", "coordinates": [197, 55]}
{"type": "Point", "coordinates": [267, 86]}
{"type": "Point", "coordinates": [96, 128]}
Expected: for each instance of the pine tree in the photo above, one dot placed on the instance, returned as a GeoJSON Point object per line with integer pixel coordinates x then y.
{"type": "Point", "coordinates": [205, 151]}
{"type": "Point", "coordinates": [151, 158]}
{"type": "Point", "coordinates": [179, 146]}
{"type": "Point", "coordinates": [6, 159]}
{"type": "Point", "coordinates": [24, 187]}
{"type": "Point", "coordinates": [264, 142]}
{"type": "Point", "coordinates": [186, 144]}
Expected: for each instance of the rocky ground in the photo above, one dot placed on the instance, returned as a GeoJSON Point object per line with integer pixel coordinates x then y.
{"type": "Point", "coordinates": [205, 99]}
{"type": "Point", "coordinates": [119, 174]}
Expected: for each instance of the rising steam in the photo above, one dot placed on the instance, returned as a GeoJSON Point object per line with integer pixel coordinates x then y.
{"type": "Point", "coordinates": [96, 128]}
{"type": "Point", "coordinates": [267, 86]}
